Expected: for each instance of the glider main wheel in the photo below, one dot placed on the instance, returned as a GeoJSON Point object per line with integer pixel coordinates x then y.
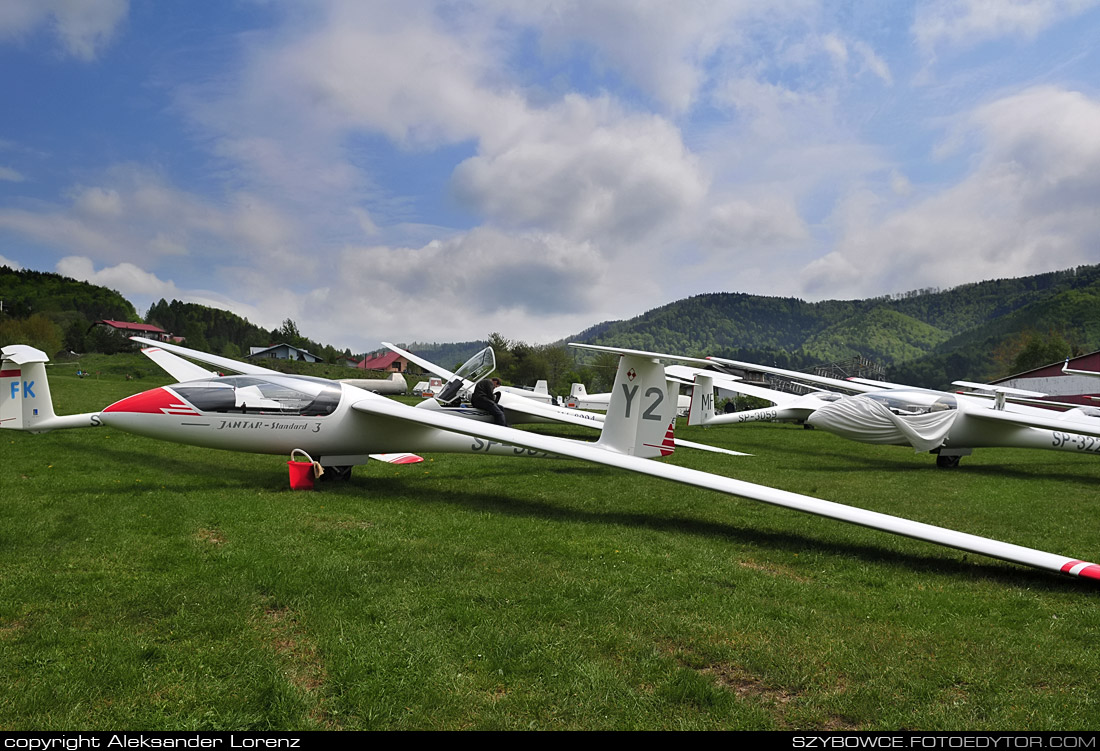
{"type": "Point", "coordinates": [947, 462]}
{"type": "Point", "coordinates": [337, 474]}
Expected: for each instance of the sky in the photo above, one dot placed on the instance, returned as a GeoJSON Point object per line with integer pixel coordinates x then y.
{"type": "Point", "coordinates": [438, 171]}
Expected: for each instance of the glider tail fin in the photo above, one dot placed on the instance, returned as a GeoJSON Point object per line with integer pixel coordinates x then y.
{"type": "Point", "coordinates": [702, 401]}
{"type": "Point", "coordinates": [25, 402]}
{"type": "Point", "coordinates": [642, 412]}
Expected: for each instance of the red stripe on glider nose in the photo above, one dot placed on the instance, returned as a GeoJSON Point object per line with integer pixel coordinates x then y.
{"type": "Point", "coordinates": [148, 402]}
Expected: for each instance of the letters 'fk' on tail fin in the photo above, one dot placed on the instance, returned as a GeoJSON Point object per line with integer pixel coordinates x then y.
{"type": "Point", "coordinates": [25, 402]}
{"type": "Point", "coordinates": [642, 412]}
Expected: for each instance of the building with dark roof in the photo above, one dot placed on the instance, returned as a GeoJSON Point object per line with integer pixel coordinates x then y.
{"type": "Point", "coordinates": [282, 352]}
{"type": "Point", "coordinates": [1058, 386]}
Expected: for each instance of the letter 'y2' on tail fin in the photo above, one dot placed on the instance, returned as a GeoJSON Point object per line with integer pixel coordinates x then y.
{"type": "Point", "coordinates": [642, 410]}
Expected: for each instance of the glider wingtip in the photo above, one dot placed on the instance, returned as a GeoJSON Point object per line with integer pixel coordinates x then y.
{"type": "Point", "coordinates": [1082, 568]}
{"type": "Point", "coordinates": [1090, 572]}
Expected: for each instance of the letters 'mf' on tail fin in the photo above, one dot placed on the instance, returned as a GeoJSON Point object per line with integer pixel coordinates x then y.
{"type": "Point", "coordinates": [25, 402]}
{"type": "Point", "coordinates": [642, 410]}
{"type": "Point", "coordinates": [702, 401]}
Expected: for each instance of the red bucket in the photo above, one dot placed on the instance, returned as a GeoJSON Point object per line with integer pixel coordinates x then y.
{"type": "Point", "coordinates": [301, 473]}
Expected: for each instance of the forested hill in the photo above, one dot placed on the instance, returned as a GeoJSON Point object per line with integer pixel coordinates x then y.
{"type": "Point", "coordinates": [55, 313]}
{"type": "Point", "coordinates": [927, 338]}
{"type": "Point", "coordinates": [25, 293]}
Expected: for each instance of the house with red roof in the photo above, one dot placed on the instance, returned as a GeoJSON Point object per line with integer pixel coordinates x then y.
{"type": "Point", "coordinates": [389, 362]}
{"type": "Point", "coordinates": [125, 328]}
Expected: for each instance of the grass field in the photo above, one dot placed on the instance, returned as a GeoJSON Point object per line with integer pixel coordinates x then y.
{"type": "Point", "coordinates": [147, 585]}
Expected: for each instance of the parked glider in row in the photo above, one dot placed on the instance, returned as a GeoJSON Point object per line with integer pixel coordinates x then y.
{"type": "Point", "coordinates": [520, 406]}
{"type": "Point", "coordinates": [262, 411]}
{"type": "Point", "coordinates": [950, 425]}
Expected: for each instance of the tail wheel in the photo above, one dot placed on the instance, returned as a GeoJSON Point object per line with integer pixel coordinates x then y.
{"type": "Point", "coordinates": [947, 462]}
{"type": "Point", "coordinates": [337, 474]}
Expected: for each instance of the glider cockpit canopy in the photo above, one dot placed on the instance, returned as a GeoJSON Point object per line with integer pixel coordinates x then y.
{"type": "Point", "coordinates": [473, 370]}
{"type": "Point", "coordinates": [914, 402]}
{"type": "Point", "coordinates": [253, 394]}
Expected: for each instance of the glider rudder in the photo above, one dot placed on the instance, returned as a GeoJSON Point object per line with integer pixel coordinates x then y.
{"type": "Point", "coordinates": [702, 401]}
{"type": "Point", "coordinates": [25, 402]}
{"type": "Point", "coordinates": [640, 413]}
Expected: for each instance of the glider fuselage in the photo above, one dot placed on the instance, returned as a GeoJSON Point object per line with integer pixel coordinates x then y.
{"type": "Point", "coordinates": [276, 414]}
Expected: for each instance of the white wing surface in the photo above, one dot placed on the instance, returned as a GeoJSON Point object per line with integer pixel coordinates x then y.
{"type": "Point", "coordinates": [175, 366]}
{"type": "Point", "coordinates": [428, 365]}
{"type": "Point", "coordinates": [226, 363]}
{"type": "Point", "coordinates": [875, 520]}
{"type": "Point", "coordinates": [1066, 422]}
{"type": "Point", "coordinates": [835, 383]}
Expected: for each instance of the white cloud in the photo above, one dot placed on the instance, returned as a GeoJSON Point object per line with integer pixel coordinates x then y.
{"type": "Point", "coordinates": [126, 278]}
{"type": "Point", "coordinates": [98, 202]}
{"type": "Point", "coordinates": [10, 175]}
{"type": "Point", "coordinates": [678, 40]}
{"type": "Point", "coordinates": [1028, 206]}
{"type": "Point", "coordinates": [10, 263]}
{"type": "Point", "coordinates": [587, 170]}
{"type": "Point", "coordinates": [84, 27]}
{"type": "Point", "coordinates": [755, 224]}
{"type": "Point", "coordinates": [535, 286]}
{"type": "Point", "coordinates": [135, 216]}
{"type": "Point", "coordinates": [965, 23]}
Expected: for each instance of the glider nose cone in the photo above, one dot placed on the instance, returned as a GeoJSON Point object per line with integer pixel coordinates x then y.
{"type": "Point", "coordinates": [154, 401]}
{"type": "Point", "coordinates": [833, 417]}
{"type": "Point", "coordinates": [146, 413]}
{"type": "Point", "coordinates": [856, 418]}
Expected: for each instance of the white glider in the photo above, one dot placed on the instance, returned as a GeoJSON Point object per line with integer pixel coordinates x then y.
{"type": "Point", "coordinates": [950, 425]}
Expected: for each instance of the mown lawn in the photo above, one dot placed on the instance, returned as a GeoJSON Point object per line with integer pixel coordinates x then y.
{"type": "Point", "coordinates": [147, 585]}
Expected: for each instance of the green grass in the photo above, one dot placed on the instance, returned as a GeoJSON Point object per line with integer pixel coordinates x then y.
{"type": "Point", "coordinates": [155, 586]}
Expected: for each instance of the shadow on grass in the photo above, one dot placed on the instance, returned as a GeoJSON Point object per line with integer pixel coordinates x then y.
{"type": "Point", "coordinates": [971, 566]}
{"type": "Point", "coordinates": [1044, 470]}
{"type": "Point", "coordinates": [222, 473]}
{"type": "Point", "coordinates": [177, 466]}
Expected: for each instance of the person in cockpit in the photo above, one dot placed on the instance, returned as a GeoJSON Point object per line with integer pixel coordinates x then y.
{"type": "Point", "coordinates": [485, 399]}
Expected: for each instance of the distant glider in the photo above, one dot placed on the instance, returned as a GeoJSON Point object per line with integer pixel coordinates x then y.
{"type": "Point", "coordinates": [520, 407]}
{"type": "Point", "coordinates": [949, 425]}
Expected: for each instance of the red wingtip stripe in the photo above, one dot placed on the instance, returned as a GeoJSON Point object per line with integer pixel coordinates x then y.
{"type": "Point", "coordinates": [1092, 571]}
{"type": "Point", "coordinates": [1082, 568]}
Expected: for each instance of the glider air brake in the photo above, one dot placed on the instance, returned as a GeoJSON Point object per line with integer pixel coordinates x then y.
{"type": "Point", "coordinates": [330, 420]}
